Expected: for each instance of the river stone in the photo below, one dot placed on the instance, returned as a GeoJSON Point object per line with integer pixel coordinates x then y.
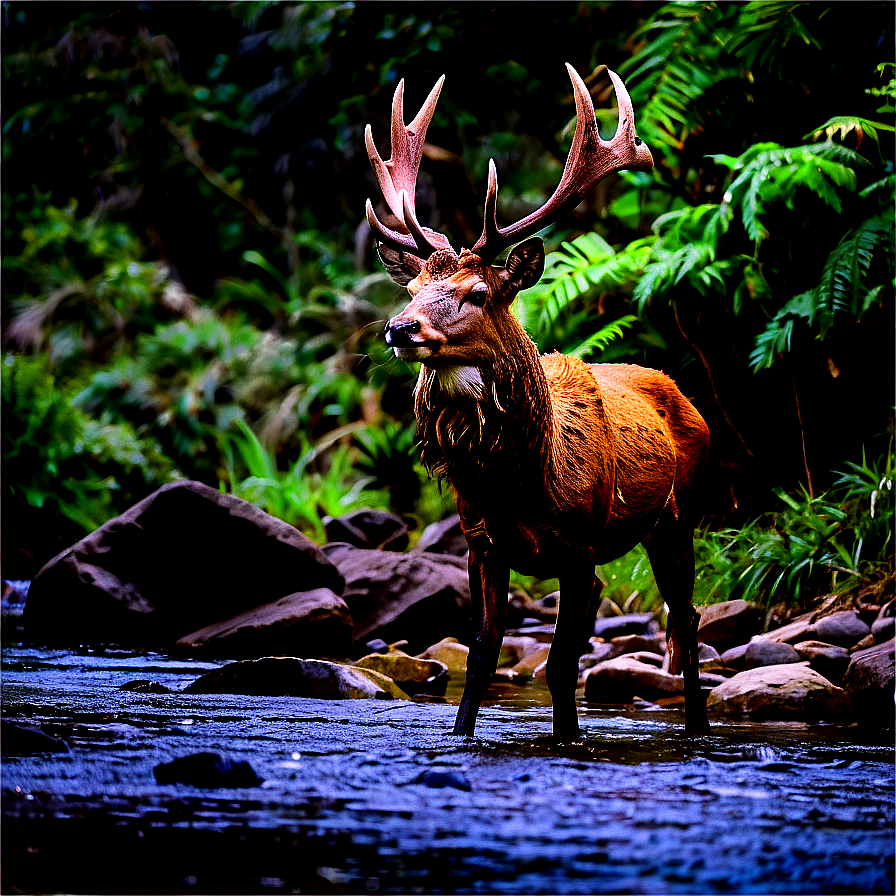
{"type": "Point", "coordinates": [417, 596]}
{"type": "Point", "coordinates": [377, 529]}
{"type": "Point", "coordinates": [209, 770]}
{"type": "Point", "coordinates": [527, 666]}
{"type": "Point", "coordinates": [629, 624]}
{"type": "Point", "coordinates": [788, 691]}
{"type": "Point", "coordinates": [869, 681]}
{"type": "Point", "coordinates": [827, 659]}
{"type": "Point", "coordinates": [883, 628]}
{"type": "Point", "coordinates": [729, 623]}
{"type": "Point", "coordinates": [182, 558]}
{"type": "Point", "coordinates": [735, 657]}
{"type": "Point", "coordinates": [145, 686]}
{"type": "Point", "coordinates": [293, 677]}
{"type": "Point", "coordinates": [515, 648]}
{"type": "Point", "coordinates": [450, 652]}
{"type": "Point", "coordinates": [769, 653]}
{"type": "Point", "coordinates": [444, 537]}
{"type": "Point", "coordinates": [844, 628]}
{"type": "Point", "coordinates": [443, 777]}
{"type": "Point", "coordinates": [412, 674]}
{"type": "Point", "coordinates": [799, 629]}
{"type": "Point", "coordinates": [21, 739]}
{"type": "Point", "coordinates": [309, 624]}
{"type": "Point", "coordinates": [622, 679]}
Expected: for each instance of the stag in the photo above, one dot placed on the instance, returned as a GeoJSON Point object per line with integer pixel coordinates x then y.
{"type": "Point", "coordinates": [557, 465]}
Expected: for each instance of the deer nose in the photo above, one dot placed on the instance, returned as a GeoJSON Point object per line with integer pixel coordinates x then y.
{"type": "Point", "coordinates": [398, 332]}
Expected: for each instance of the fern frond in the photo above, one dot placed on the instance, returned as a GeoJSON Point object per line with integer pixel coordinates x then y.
{"type": "Point", "coordinates": [764, 28]}
{"type": "Point", "coordinates": [603, 337]}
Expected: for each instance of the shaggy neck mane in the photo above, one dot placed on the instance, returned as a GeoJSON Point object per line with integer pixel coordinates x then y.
{"type": "Point", "coordinates": [494, 427]}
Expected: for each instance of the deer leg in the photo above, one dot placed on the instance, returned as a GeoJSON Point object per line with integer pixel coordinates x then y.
{"type": "Point", "coordinates": [579, 590]}
{"type": "Point", "coordinates": [489, 583]}
{"type": "Point", "coordinates": [670, 547]}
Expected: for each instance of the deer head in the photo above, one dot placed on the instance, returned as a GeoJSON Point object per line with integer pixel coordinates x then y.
{"type": "Point", "coordinates": [460, 302]}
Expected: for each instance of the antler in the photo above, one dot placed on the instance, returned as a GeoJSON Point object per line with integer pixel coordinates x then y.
{"type": "Point", "coordinates": [590, 160]}
{"type": "Point", "coordinates": [397, 178]}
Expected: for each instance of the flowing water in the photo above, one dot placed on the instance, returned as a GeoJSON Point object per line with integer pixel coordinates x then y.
{"type": "Point", "coordinates": [632, 807]}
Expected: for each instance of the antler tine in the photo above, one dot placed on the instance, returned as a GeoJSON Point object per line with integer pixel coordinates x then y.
{"type": "Point", "coordinates": [590, 160]}
{"type": "Point", "coordinates": [397, 178]}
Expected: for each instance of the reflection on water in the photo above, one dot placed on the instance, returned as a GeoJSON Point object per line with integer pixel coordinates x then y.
{"type": "Point", "coordinates": [631, 807]}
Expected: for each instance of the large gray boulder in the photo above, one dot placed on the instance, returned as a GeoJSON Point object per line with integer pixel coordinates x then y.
{"type": "Point", "coordinates": [180, 559]}
{"type": "Point", "coordinates": [417, 597]}
{"type": "Point", "coordinates": [310, 624]}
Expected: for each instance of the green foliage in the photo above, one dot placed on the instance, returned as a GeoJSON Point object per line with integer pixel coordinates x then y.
{"type": "Point", "coordinates": [57, 460]}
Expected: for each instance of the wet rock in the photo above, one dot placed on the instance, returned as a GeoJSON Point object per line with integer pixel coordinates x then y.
{"type": "Point", "coordinates": [628, 624]}
{"type": "Point", "coordinates": [883, 628]}
{"type": "Point", "coordinates": [20, 739]}
{"type": "Point", "coordinates": [375, 529]}
{"type": "Point", "coordinates": [826, 659]}
{"type": "Point", "coordinates": [769, 653]}
{"type": "Point", "coordinates": [789, 691]}
{"type": "Point", "coordinates": [527, 666]}
{"type": "Point", "coordinates": [869, 681]}
{"type": "Point", "coordinates": [622, 679]}
{"type": "Point", "coordinates": [729, 623]}
{"type": "Point", "coordinates": [308, 624]}
{"type": "Point", "coordinates": [178, 560]}
{"type": "Point", "coordinates": [515, 648]}
{"type": "Point", "coordinates": [209, 770]}
{"type": "Point", "coordinates": [444, 537]}
{"type": "Point", "coordinates": [735, 657]}
{"type": "Point", "coordinates": [443, 777]}
{"type": "Point", "coordinates": [711, 679]}
{"type": "Point", "coordinates": [844, 628]}
{"type": "Point", "coordinates": [450, 652]}
{"type": "Point", "coordinates": [412, 674]}
{"type": "Point", "coordinates": [416, 596]}
{"type": "Point", "coordinates": [145, 686]}
{"type": "Point", "coordinates": [799, 629]}
{"type": "Point", "coordinates": [294, 677]}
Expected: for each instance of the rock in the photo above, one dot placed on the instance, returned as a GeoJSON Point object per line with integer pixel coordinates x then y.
{"type": "Point", "coordinates": [789, 691]}
{"type": "Point", "coordinates": [735, 657]}
{"type": "Point", "coordinates": [769, 653]}
{"type": "Point", "coordinates": [515, 648]}
{"type": "Point", "coordinates": [208, 770]}
{"type": "Point", "coordinates": [883, 628]}
{"type": "Point", "coordinates": [308, 624]}
{"type": "Point", "coordinates": [799, 629]}
{"type": "Point", "coordinates": [868, 641]}
{"type": "Point", "coordinates": [145, 686]}
{"type": "Point", "coordinates": [178, 560]}
{"type": "Point", "coordinates": [706, 652]}
{"type": "Point", "coordinates": [416, 596]}
{"type": "Point", "coordinates": [622, 679]}
{"type": "Point", "coordinates": [844, 628]}
{"type": "Point", "coordinates": [412, 674]}
{"type": "Point", "coordinates": [869, 681]}
{"type": "Point", "coordinates": [444, 537]}
{"type": "Point", "coordinates": [377, 645]}
{"type": "Point", "coordinates": [18, 739]}
{"type": "Point", "coordinates": [527, 666]}
{"type": "Point", "coordinates": [729, 623]}
{"type": "Point", "coordinates": [293, 677]}
{"type": "Point", "coordinates": [826, 659]}
{"type": "Point", "coordinates": [711, 679]}
{"type": "Point", "coordinates": [450, 652]}
{"type": "Point", "coordinates": [629, 624]}
{"type": "Point", "coordinates": [443, 777]}
{"type": "Point", "coordinates": [525, 608]}
{"type": "Point", "coordinates": [376, 529]}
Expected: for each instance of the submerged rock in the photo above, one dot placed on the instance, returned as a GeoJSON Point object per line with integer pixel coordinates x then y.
{"type": "Point", "coordinates": [180, 559]}
{"type": "Point", "coordinates": [789, 691]}
{"type": "Point", "coordinates": [869, 681]}
{"type": "Point", "coordinates": [209, 770]}
{"type": "Point", "coordinates": [309, 624]}
{"type": "Point", "coordinates": [282, 676]}
{"type": "Point", "coordinates": [443, 777]}
{"type": "Point", "coordinates": [20, 739]}
{"type": "Point", "coordinates": [418, 596]}
{"type": "Point", "coordinates": [145, 686]}
{"type": "Point", "coordinates": [412, 674]}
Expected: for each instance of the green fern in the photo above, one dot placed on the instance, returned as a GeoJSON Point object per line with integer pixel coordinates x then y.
{"type": "Point", "coordinates": [764, 28]}
{"type": "Point", "coordinates": [606, 335]}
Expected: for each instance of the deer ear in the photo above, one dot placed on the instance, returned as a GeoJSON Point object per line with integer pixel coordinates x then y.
{"type": "Point", "coordinates": [524, 265]}
{"type": "Point", "coordinates": [402, 267]}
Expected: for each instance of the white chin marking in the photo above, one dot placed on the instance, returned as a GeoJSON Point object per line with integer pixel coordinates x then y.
{"type": "Point", "coordinates": [461, 381]}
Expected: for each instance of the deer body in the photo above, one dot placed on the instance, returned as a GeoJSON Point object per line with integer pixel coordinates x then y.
{"type": "Point", "coordinates": [558, 465]}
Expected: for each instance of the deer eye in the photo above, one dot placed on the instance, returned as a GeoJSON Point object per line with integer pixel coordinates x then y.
{"type": "Point", "coordinates": [476, 296]}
